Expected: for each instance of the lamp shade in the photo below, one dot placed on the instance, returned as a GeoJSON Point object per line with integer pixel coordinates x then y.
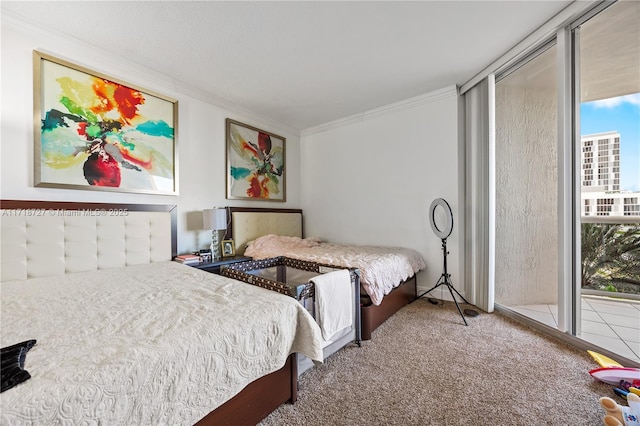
{"type": "Point", "coordinates": [214, 219]}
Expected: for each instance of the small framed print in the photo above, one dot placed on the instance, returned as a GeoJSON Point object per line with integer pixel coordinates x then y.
{"type": "Point", "coordinates": [228, 248]}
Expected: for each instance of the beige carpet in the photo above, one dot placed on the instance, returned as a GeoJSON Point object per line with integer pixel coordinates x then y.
{"type": "Point", "coordinates": [424, 367]}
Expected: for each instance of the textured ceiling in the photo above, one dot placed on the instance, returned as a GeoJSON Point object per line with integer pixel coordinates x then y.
{"type": "Point", "coordinates": [301, 63]}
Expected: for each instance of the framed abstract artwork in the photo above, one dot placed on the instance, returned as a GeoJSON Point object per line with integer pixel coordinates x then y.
{"type": "Point", "coordinates": [94, 132]}
{"type": "Point", "coordinates": [255, 163]}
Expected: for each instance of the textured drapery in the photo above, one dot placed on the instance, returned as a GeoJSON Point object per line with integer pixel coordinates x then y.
{"type": "Point", "coordinates": [480, 193]}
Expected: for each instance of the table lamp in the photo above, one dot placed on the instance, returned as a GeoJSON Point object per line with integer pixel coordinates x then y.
{"type": "Point", "coordinates": [216, 220]}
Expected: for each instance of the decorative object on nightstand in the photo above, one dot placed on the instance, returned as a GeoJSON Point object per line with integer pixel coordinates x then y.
{"type": "Point", "coordinates": [188, 259]}
{"type": "Point", "coordinates": [205, 255]}
{"type": "Point", "coordinates": [216, 220]}
{"type": "Point", "coordinates": [228, 248]}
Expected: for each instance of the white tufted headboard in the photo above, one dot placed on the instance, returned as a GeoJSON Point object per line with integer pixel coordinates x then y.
{"type": "Point", "coordinates": [40, 238]}
{"type": "Point", "coordinates": [249, 223]}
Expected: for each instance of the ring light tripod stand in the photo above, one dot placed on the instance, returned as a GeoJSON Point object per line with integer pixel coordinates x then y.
{"type": "Point", "coordinates": [445, 278]}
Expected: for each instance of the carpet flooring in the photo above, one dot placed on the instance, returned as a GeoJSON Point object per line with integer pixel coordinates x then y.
{"type": "Point", "coordinates": [423, 366]}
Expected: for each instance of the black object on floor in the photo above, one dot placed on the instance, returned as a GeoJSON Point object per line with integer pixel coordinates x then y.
{"type": "Point", "coordinates": [471, 312]}
{"type": "Point", "coordinates": [432, 301]}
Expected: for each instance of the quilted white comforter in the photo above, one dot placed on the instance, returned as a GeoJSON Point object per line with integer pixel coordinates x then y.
{"type": "Point", "coordinates": [381, 268]}
{"type": "Point", "coordinates": [151, 344]}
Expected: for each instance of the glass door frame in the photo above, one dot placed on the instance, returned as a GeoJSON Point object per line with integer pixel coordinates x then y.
{"type": "Point", "coordinates": [567, 41]}
{"type": "Point", "coordinates": [568, 238]}
{"type": "Point", "coordinates": [569, 168]}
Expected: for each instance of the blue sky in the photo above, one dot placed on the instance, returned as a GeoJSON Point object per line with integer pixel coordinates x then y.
{"type": "Point", "coordinates": [620, 114]}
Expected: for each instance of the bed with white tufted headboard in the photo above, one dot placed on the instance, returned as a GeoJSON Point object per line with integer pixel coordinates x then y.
{"type": "Point", "coordinates": [387, 273]}
{"type": "Point", "coordinates": [46, 238]}
{"type": "Point", "coordinates": [124, 335]}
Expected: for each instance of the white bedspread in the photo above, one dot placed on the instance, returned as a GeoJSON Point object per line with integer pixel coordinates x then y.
{"type": "Point", "coordinates": [382, 268]}
{"type": "Point", "coordinates": [151, 344]}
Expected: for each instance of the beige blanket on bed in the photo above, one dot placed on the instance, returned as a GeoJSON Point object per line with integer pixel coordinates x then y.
{"type": "Point", "coordinates": [151, 344]}
{"type": "Point", "coordinates": [382, 268]}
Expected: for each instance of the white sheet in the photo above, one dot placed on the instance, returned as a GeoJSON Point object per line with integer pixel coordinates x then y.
{"type": "Point", "coordinates": [381, 268]}
{"type": "Point", "coordinates": [149, 344]}
{"type": "Point", "coordinates": [334, 295]}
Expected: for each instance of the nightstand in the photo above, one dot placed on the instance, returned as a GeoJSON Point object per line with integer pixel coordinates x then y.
{"type": "Point", "coordinates": [214, 267]}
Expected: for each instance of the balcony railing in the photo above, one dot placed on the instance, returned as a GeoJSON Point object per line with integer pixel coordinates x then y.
{"type": "Point", "coordinates": [625, 220]}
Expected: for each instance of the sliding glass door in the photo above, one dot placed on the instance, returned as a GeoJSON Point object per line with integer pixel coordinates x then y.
{"type": "Point", "coordinates": [608, 56]}
{"type": "Point", "coordinates": [594, 292]}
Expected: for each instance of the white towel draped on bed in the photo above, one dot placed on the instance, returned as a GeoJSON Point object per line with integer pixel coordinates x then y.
{"type": "Point", "coordinates": [334, 296]}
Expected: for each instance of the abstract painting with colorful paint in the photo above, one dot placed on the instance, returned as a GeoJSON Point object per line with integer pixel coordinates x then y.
{"type": "Point", "coordinates": [255, 163]}
{"type": "Point", "coordinates": [98, 133]}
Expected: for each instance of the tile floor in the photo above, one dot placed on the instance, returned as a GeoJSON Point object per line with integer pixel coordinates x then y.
{"type": "Point", "coordinates": [608, 323]}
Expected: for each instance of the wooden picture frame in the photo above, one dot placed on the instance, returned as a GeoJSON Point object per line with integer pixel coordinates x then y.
{"type": "Point", "coordinates": [255, 163]}
{"type": "Point", "coordinates": [228, 248]}
{"type": "Point", "coordinates": [94, 132]}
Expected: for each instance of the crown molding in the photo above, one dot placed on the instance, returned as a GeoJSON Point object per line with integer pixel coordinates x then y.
{"type": "Point", "coordinates": [449, 91]}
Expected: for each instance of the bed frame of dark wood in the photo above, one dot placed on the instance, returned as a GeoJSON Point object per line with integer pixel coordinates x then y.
{"type": "Point", "coordinates": [257, 399]}
{"type": "Point", "coordinates": [371, 316]}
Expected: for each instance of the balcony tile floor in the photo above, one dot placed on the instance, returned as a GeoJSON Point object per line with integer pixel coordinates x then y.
{"type": "Point", "coordinates": [608, 323]}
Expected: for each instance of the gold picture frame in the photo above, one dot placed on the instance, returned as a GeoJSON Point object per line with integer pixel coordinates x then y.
{"type": "Point", "coordinates": [95, 132]}
{"type": "Point", "coordinates": [255, 163]}
{"type": "Point", "coordinates": [228, 248]}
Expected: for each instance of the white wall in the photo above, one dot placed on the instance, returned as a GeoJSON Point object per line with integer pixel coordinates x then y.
{"type": "Point", "coordinates": [201, 132]}
{"type": "Point", "coordinates": [370, 179]}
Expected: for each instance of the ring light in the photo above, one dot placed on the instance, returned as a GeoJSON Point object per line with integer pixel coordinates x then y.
{"type": "Point", "coordinates": [448, 226]}
{"type": "Point", "coordinates": [445, 279]}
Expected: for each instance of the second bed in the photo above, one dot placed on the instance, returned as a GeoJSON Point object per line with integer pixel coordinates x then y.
{"type": "Point", "coordinates": [387, 274]}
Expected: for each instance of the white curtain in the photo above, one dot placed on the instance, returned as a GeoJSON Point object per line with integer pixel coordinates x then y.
{"type": "Point", "coordinates": [480, 193]}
